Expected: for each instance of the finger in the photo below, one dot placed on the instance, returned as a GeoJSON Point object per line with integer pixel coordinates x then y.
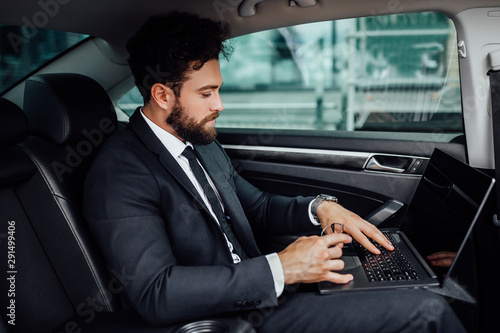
{"type": "Point", "coordinates": [335, 252]}
{"type": "Point", "coordinates": [382, 240]}
{"type": "Point", "coordinates": [336, 265]}
{"type": "Point", "coordinates": [335, 238]}
{"type": "Point", "coordinates": [362, 239]}
{"type": "Point", "coordinates": [442, 262]}
{"type": "Point", "coordinates": [374, 233]}
{"type": "Point", "coordinates": [338, 278]}
{"type": "Point", "coordinates": [441, 255]}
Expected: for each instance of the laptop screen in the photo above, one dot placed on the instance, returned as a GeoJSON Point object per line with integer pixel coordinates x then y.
{"type": "Point", "coordinates": [445, 206]}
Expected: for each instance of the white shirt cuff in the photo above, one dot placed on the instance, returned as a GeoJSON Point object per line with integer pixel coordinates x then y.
{"type": "Point", "coordinates": [311, 217]}
{"type": "Point", "coordinates": [277, 271]}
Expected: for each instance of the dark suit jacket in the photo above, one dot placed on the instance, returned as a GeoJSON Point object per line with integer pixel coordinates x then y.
{"type": "Point", "coordinates": [153, 227]}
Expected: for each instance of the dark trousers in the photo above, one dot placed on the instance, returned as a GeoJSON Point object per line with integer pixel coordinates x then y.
{"type": "Point", "coordinates": [401, 311]}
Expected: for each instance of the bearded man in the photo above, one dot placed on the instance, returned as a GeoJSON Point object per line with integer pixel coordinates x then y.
{"type": "Point", "coordinates": [168, 209]}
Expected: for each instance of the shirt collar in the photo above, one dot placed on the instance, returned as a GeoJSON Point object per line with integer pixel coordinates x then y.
{"type": "Point", "coordinates": [174, 146]}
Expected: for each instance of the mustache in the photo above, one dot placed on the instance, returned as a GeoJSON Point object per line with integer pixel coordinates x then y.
{"type": "Point", "coordinates": [210, 117]}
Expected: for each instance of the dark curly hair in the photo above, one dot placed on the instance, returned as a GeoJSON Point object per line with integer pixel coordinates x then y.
{"type": "Point", "coordinates": [167, 48]}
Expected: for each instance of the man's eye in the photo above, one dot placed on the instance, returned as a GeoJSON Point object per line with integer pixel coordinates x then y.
{"type": "Point", "coordinates": [206, 94]}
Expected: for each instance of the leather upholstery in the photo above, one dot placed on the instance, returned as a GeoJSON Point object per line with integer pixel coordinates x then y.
{"type": "Point", "coordinates": [64, 280]}
{"type": "Point", "coordinates": [13, 124]}
{"type": "Point", "coordinates": [69, 117]}
{"type": "Point", "coordinates": [40, 300]}
{"type": "Point", "coordinates": [13, 129]}
{"type": "Point", "coordinates": [63, 107]}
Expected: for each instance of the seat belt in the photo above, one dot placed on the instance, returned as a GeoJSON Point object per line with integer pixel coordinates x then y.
{"type": "Point", "coordinates": [495, 115]}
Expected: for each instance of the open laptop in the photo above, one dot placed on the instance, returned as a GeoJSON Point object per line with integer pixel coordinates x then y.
{"type": "Point", "coordinates": [440, 217]}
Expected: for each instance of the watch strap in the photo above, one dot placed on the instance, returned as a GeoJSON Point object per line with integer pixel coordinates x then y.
{"type": "Point", "coordinates": [317, 201]}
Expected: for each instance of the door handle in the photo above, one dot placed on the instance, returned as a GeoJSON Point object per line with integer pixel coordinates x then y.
{"type": "Point", "coordinates": [376, 165]}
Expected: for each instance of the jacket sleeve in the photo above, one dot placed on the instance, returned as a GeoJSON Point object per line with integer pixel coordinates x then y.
{"type": "Point", "coordinates": [122, 206]}
{"type": "Point", "coordinates": [267, 212]}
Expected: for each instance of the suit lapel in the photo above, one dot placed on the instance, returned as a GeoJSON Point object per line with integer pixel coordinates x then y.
{"type": "Point", "coordinates": [241, 226]}
{"type": "Point", "coordinates": [146, 135]}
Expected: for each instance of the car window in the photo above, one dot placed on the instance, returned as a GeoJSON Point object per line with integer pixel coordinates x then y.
{"type": "Point", "coordinates": [381, 73]}
{"type": "Point", "coordinates": [24, 49]}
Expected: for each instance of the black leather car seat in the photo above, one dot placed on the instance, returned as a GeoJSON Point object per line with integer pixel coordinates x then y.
{"type": "Point", "coordinates": [55, 280]}
{"type": "Point", "coordinates": [70, 116]}
{"type": "Point", "coordinates": [33, 297]}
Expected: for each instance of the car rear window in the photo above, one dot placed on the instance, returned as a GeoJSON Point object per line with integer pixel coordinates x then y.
{"type": "Point", "coordinates": [24, 49]}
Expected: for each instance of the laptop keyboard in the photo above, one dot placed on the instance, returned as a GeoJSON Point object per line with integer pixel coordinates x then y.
{"type": "Point", "coordinates": [387, 266]}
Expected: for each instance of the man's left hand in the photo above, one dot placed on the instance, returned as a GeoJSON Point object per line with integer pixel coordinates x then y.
{"type": "Point", "coordinates": [330, 212]}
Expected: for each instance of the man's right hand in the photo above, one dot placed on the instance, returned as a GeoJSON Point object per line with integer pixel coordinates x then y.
{"type": "Point", "coordinates": [313, 259]}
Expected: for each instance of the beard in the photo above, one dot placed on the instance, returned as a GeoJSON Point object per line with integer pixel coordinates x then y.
{"type": "Point", "coordinates": [189, 129]}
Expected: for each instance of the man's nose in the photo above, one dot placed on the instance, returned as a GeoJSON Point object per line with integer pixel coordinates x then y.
{"type": "Point", "coordinates": [217, 104]}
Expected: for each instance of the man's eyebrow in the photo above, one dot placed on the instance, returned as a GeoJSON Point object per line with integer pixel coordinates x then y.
{"type": "Point", "coordinates": [210, 87]}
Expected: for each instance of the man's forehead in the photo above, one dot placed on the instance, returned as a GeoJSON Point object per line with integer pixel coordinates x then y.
{"type": "Point", "coordinates": [208, 75]}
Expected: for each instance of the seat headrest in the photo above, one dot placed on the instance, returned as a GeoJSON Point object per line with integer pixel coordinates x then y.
{"type": "Point", "coordinates": [16, 165]}
{"type": "Point", "coordinates": [13, 123]}
{"type": "Point", "coordinates": [64, 107]}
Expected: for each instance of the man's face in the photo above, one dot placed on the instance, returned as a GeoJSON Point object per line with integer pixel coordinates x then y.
{"type": "Point", "coordinates": [194, 113]}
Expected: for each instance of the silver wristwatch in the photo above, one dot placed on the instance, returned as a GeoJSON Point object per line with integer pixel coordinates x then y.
{"type": "Point", "coordinates": [319, 199]}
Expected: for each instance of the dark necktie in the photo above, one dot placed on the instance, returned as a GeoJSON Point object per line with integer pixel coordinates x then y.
{"type": "Point", "coordinates": [198, 172]}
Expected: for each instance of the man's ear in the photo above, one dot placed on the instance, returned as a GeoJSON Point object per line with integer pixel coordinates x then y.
{"type": "Point", "coordinates": [162, 95]}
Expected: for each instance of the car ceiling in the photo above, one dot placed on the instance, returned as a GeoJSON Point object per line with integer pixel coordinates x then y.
{"type": "Point", "coordinates": [115, 20]}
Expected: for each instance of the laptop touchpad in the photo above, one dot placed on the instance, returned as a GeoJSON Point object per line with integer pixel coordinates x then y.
{"type": "Point", "coordinates": [350, 258]}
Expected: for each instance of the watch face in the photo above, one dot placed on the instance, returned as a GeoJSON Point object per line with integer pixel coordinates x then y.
{"type": "Point", "coordinates": [328, 197]}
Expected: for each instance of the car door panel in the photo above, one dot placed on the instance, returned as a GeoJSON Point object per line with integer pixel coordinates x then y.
{"type": "Point", "coordinates": [362, 173]}
{"type": "Point", "coordinates": [308, 164]}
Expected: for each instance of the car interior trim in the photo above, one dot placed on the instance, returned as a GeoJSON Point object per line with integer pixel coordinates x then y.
{"type": "Point", "coordinates": [373, 162]}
